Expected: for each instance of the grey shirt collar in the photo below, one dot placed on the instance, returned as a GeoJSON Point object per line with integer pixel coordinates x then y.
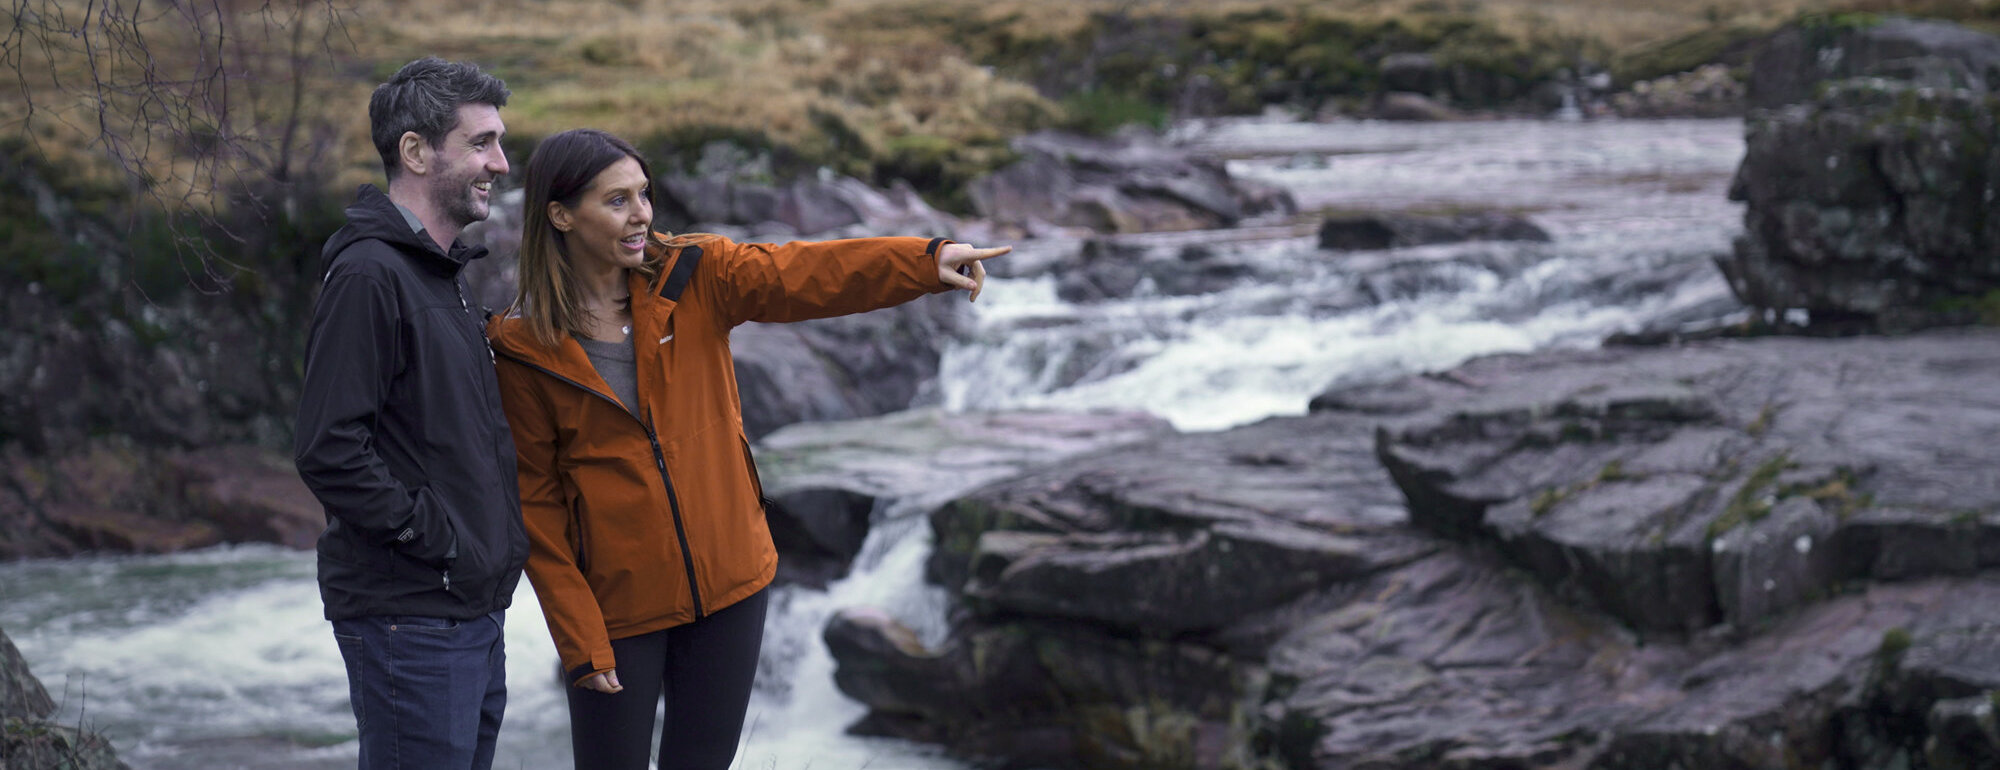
{"type": "Point", "coordinates": [410, 217]}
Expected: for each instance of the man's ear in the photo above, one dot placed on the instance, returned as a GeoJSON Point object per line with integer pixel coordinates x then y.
{"type": "Point", "coordinates": [414, 153]}
{"type": "Point", "coordinates": [559, 216]}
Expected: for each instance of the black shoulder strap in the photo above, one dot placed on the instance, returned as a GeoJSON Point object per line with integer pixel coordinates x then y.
{"type": "Point", "coordinates": [683, 271]}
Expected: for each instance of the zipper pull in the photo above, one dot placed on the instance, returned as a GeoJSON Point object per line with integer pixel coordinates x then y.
{"type": "Point", "coordinates": [447, 580]}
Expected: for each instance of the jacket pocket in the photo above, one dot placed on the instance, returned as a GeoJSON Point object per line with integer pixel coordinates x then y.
{"type": "Point", "coordinates": [750, 464]}
{"type": "Point", "coordinates": [431, 537]}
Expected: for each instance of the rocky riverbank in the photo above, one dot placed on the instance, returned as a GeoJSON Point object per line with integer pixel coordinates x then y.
{"type": "Point", "coordinates": [1763, 553]}
{"type": "Point", "coordinates": [1735, 553]}
{"type": "Point", "coordinates": [1870, 174]}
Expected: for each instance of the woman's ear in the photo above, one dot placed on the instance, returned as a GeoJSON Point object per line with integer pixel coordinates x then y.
{"type": "Point", "coordinates": [414, 153]}
{"type": "Point", "coordinates": [559, 216]}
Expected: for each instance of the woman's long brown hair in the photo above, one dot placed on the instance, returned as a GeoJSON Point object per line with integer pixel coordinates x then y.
{"type": "Point", "coordinates": [561, 170]}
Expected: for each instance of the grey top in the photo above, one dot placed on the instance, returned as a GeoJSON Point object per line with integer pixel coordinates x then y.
{"type": "Point", "coordinates": [615, 363]}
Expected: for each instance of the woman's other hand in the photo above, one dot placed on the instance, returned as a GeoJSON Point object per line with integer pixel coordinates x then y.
{"type": "Point", "coordinates": [959, 265]}
{"type": "Point", "coordinates": [603, 681]}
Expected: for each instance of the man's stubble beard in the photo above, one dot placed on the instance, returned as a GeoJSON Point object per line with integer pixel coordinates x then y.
{"type": "Point", "coordinates": [454, 199]}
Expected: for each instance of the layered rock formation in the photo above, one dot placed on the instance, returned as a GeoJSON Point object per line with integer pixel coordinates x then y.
{"type": "Point", "coordinates": [1735, 554]}
{"type": "Point", "coordinates": [1871, 176]}
{"type": "Point", "coordinates": [117, 497]}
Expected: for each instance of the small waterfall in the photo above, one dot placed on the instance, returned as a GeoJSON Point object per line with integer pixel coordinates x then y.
{"type": "Point", "coordinates": [1569, 111]}
{"type": "Point", "coordinates": [797, 717]}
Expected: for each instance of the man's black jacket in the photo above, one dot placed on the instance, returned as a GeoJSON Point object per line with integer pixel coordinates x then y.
{"type": "Point", "coordinates": [400, 431]}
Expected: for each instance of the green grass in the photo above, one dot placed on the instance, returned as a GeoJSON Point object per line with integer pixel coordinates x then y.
{"type": "Point", "coordinates": [1895, 642]}
{"type": "Point", "coordinates": [1754, 499]}
{"type": "Point", "coordinates": [1547, 499]}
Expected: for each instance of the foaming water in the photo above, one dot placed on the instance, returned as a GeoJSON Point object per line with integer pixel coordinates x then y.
{"type": "Point", "coordinates": [221, 659]}
{"type": "Point", "coordinates": [798, 718]}
{"type": "Point", "coordinates": [1636, 211]}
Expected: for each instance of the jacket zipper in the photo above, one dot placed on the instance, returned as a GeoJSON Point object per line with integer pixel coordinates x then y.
{"type": "Point", "coordinates": [674, 502]}
{"type": "Point", "coordinates": [659, 460]}
{"type": "Point", "coordinates": [458, 285]}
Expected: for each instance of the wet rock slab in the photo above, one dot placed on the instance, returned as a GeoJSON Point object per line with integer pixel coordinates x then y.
{"type": "Point", "coordinates": [1392, 231]}
{"type": "Point", "coordinates": [1764, 553]}
{"type": "Point", "coordinates": [1713, 483]}
{"type": "Point", "coordinates": [832, 480]}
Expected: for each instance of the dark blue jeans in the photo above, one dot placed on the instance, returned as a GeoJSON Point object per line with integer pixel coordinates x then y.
{"type": "Point", "coordinates": [427, 692]}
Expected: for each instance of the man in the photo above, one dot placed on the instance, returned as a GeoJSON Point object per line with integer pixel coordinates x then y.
{"type": "Point", "coordinates": [401, 437]}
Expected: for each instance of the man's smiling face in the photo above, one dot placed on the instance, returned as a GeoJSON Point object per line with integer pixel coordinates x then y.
{"type": "Point", "coordinates": [469, 160]}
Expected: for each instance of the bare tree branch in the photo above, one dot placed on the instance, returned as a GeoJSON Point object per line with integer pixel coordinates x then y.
{"type": "Point", "coordinates": [201, 105]}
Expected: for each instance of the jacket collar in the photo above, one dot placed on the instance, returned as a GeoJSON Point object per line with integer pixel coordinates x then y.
{"type": "Point", "coordinates": [373, 216]}
{"type": "Point", "coordinates": [652, 324]}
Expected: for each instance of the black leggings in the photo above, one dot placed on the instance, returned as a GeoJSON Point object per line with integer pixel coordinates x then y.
{"type": "Point", "coordinates": [704, 669]}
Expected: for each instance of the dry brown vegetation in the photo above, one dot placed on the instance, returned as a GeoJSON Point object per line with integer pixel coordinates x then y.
{"type": "Point", "coordinates": [850, 83]}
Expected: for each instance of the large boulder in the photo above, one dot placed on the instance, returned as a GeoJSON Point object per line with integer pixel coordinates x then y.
{"type": "Point", "coordinates": [1870, 198]}
{"type": "Point", "coordinates": [1873, 202]}
{"type": "Point", "coordinates": [1793, 62]}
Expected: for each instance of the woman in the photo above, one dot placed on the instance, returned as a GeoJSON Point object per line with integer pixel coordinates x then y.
{"type": "Point", "coordinates": [649, 549]}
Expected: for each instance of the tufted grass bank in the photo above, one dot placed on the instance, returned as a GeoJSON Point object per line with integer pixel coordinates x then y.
{"type": "Point", "coordinates": [925, 90]}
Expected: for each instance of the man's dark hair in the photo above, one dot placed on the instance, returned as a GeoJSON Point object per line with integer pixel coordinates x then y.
{"type": "Point", "coordinates": [424, 97]}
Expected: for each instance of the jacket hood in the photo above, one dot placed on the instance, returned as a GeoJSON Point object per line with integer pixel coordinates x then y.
{"type": "Point", "coordinates": [372, 216]}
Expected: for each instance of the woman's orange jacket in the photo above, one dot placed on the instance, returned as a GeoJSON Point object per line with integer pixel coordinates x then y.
{"type": "Point", "coordinates": [637, 524]}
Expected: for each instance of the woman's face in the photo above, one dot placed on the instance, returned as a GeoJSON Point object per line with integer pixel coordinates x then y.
{"type": "Point", "coordinates": [608, 226]}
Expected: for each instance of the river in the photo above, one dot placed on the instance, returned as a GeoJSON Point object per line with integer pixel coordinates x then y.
{"type": "Point", "coordinates": [219, 659]}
